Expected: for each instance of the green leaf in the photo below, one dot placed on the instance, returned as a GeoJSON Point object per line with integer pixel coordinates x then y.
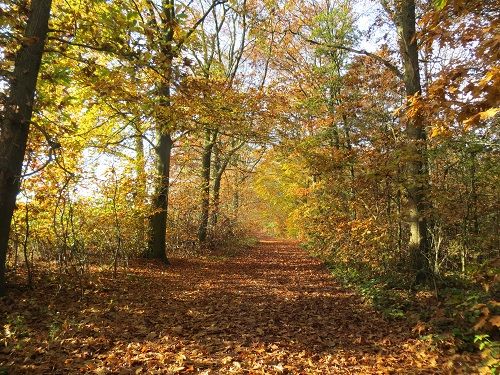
{"type": "Point", "coordinates": [440, 4]}
{"type": "Point", "coordinates": [132, 15]}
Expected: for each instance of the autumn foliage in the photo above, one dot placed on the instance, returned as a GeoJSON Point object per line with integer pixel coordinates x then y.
{"type": "Point", "coordinates": [365, 131]}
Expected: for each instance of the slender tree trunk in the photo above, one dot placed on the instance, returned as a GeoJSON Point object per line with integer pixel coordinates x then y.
{"type": "Point", "coordinates": [400, 223]}
{"type": "Point", "coordinates": [219, 172]}
{"type": "Point", "coordinates": [140, 164]}
{"type": "Point", "coordinates": [205, 187]}
{"type": "Point", "coordinates": [216, 197]}
{"type": "Point", "coordinates": [475, 219]}
{"type": "Point", "coordinates": [16, 118]}
{"type": "Point", "coordinates": [418, 206]}
{"type": "Point", "coordinates": [352, 175]}
{"type": "Point", "coordinates": [335, 139]}
{"type": "Point", "coordinates": [140, 189]}
{"type": "Point", "coordinates": [220, 167]}
{"type": "Point", "coordinates": [217, 183]}
{"type": "Point", "coordinates": [236, 194]}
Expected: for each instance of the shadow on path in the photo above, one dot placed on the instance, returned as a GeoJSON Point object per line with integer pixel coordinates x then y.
{"type": "Point", "coordinates": [271, 310]}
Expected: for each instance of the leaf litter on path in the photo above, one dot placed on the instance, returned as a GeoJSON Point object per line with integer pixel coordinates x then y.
{"type": "Point", "coordinates": [270, 310]}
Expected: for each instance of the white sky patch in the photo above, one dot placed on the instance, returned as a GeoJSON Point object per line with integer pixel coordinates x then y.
{"type": "Point", "coordinates": [366, 12]}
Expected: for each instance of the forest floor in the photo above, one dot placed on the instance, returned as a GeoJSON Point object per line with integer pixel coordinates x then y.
{"type": "Point", "coordinates": [271, 309]}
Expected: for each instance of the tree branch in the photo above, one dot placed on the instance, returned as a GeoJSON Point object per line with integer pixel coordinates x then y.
{"type": "Point", "coordinates": [387, 63]}
{"type": "Point", "coordinates": [200, 21]}
{"type": "Point", "coordinates": [103, 48]}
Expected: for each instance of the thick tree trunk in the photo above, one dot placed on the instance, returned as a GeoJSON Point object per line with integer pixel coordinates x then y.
{"type": "Point", "coordinates": [158, 218]}
{"type": "Point", "coordinates": [418, 205]}
{"type": "Point", "coordinates": [205, 187]}
{"type": "Point", "coordinates": [16, 118]}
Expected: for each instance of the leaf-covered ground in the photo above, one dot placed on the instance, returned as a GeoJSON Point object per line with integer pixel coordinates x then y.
{"type": "Point", "coordinates": [272, 309]}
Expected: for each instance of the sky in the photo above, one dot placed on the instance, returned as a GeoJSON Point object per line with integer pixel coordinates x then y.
{"type": "Point", "coordinates": [366, 11]}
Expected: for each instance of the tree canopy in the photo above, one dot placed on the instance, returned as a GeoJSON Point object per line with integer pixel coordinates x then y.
{"type": "Point", "coordinates": [366, 130]}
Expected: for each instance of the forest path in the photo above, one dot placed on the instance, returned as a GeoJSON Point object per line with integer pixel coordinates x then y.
{"type": "Point", "coordinates": [272, 309]}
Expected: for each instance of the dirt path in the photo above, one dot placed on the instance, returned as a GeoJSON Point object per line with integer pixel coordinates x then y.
{"type": "Point", "coordinates": [271, 310]}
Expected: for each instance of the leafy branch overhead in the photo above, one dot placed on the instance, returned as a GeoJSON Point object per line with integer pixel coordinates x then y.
{"type": "Point", "coordinates": [249, 186]}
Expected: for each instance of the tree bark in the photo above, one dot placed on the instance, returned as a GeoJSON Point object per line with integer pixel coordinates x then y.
{"type": "Point", "coordinates": [158, 218]}
{"type": "Point", "coordinates": [16, 118]}
{"type": "Point", "coordinates": [140, 189]}
{"type": "Point", "coordinates": [218, 171]}
{"type": "Point", "coordinates": [205, 187]}
{"type": "Point", "coordinates": [220, 166]}
{"type": "Point", "coordinates": [332, 100]}
{"type": "Point", "coordinates": [418, 206]}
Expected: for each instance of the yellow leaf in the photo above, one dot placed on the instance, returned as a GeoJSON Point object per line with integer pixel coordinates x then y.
{"type": "Point", "coordinates": [435, 132]}
{"type": "Point", "coordinates": [489, 113]}
{"type": "Point", "coordinates": [487, 78]}
{"type": "Point", "coordinates": [471, 121]}
{"type": "Point", "coordinates": [177, 31]}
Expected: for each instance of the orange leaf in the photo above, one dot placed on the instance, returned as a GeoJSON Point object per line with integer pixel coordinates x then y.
{"type": "Point", "coordinates": [495, 320]}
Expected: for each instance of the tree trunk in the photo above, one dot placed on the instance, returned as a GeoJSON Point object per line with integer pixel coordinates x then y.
{"type": "Point", "coordinates": [348, 146]}
{"type": "Point", "coordinates": [334, 130]}
{"type": "Point", "coordinates": [474, 193]}
{"type": "Point", "coordinates": [218, 171]}
{"type": "Point", "coordinates": [220, 167]}
{"type": "Point", "coordinates": [418, 205]}
{"type": "Point", "coordinates": [17, 117]}
{"type": "Point", "coordinates": [236, 196]}
{"type": "Point", "coordinates": [158, 218]}
{"type": "Point", "coordinates": [140, 189]}
{"type": "Point", "coordinates": [205, 187]}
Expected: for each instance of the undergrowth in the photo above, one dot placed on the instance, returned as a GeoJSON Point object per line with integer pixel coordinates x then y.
{"type": "Point", "coordinates": [449, 309]}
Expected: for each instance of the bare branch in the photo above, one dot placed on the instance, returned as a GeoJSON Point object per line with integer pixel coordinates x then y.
{"type": "Point", "coordinates": [200, 21]}
{"type": "Point", "coordinates": [374, 56]}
